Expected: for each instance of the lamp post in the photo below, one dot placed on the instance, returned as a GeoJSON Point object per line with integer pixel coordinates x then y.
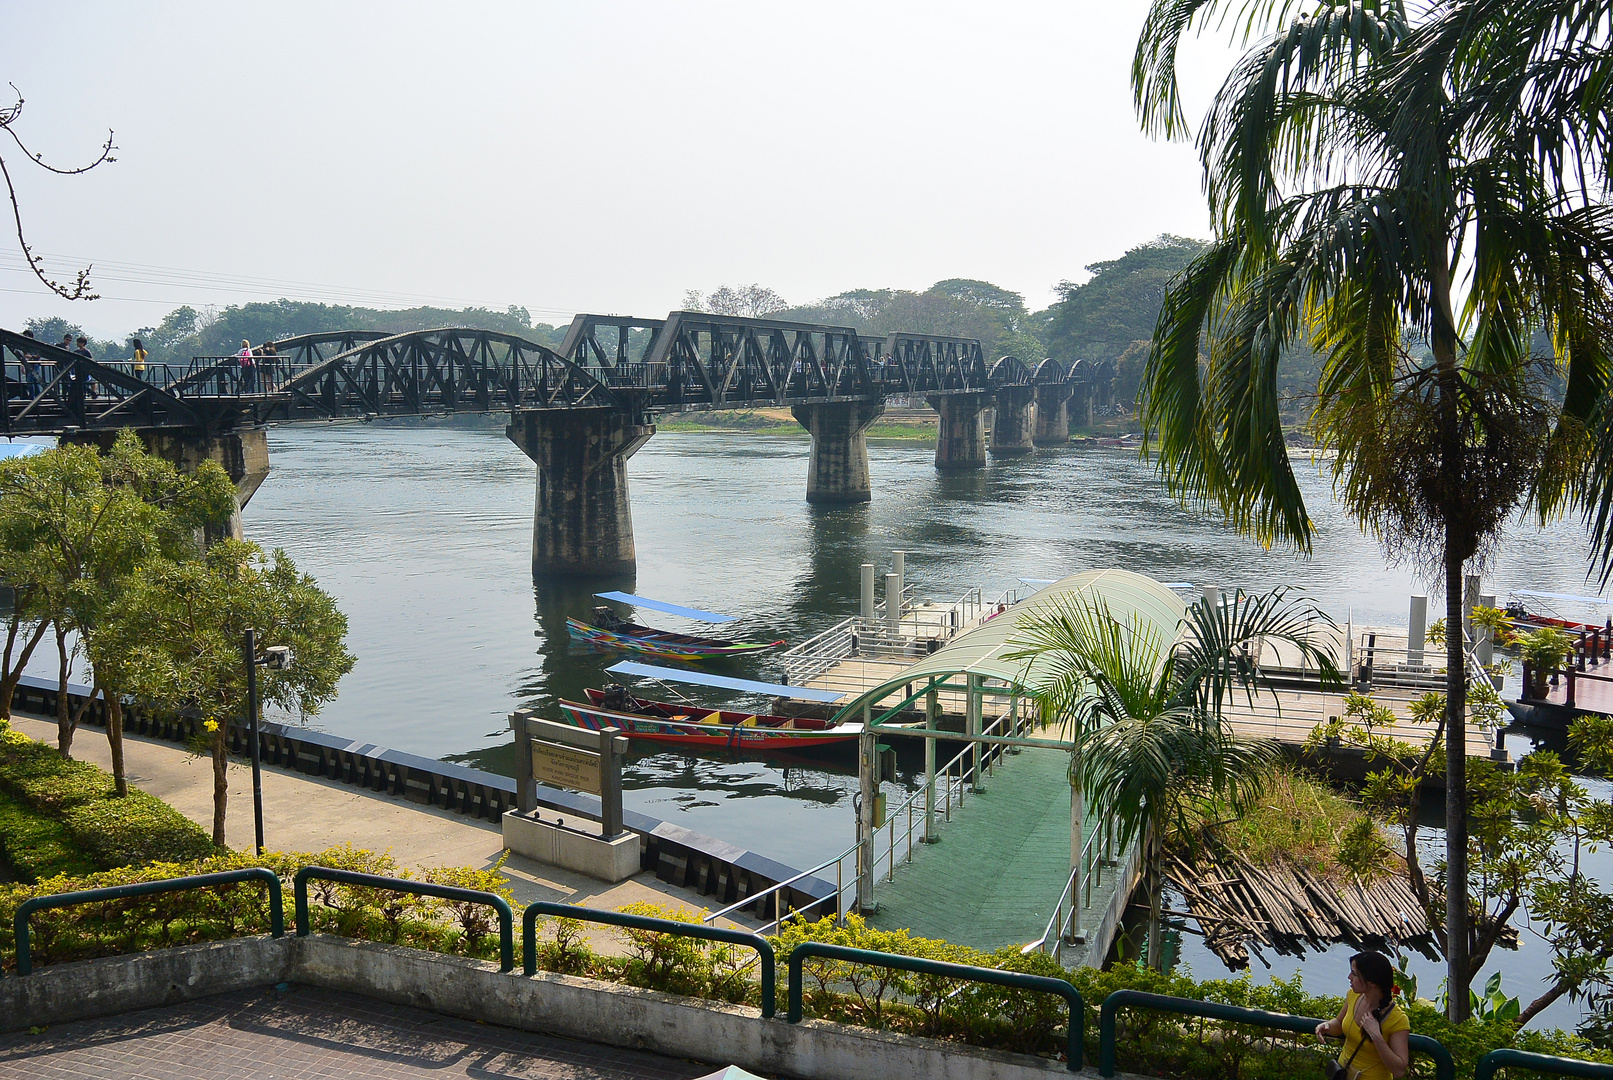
{"type": "Point", "coordinates": [276, 658]}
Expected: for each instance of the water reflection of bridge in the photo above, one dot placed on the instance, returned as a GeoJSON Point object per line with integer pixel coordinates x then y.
{"type": "Point", "coordinates": [579, 411]}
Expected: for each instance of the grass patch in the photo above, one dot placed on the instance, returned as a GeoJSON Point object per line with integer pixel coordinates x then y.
{"type": "Point", "coordinates": [1300, 821]}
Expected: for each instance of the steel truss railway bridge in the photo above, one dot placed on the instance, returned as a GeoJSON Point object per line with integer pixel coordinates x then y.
{"type": "Point", "coordinates": [579, 411]}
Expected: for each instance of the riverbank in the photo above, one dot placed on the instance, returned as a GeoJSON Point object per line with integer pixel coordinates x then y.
{"type": "Point", "coordinates": [303, 813]}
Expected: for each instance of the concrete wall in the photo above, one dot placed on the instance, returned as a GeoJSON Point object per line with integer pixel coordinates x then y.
{"type": "Point", "coordinates": [575, 1008]}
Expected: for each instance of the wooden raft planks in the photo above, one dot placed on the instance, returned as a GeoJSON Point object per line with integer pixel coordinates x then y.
{"type": "Point", "coordinates": [1286, 908]}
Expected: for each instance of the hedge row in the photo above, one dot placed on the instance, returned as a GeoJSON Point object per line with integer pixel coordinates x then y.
{"type": "Point", "coordinates": [70, 819]}
{"type": "Point", "coordinates": [979, 1014]}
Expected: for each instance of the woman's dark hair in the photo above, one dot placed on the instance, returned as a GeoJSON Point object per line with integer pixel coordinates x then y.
{"type": "Point", "coordinates": [1375, 969]}
{"type": "Point", "coordinates": [137, 344]}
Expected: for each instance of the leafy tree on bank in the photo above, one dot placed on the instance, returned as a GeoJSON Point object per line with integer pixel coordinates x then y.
{"type": "Point", "coordinates": [1118, 305]}
{"type": "Point", "coordinates": [1364, 172]}
{"type": "Point", "coordinates": [77, 523]}
{"type": "Point", "coordinates": [173, 639]}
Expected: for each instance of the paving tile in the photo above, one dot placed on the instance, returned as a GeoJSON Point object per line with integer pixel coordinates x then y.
{"type": "Point", "coordinates": [311, 1034]}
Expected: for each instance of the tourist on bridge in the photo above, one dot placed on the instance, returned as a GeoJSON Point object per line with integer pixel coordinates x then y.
{"type": "Point", "coordinates": [139, 360]}
{"type": "Point", "coordinates": [86, 386]}
{"type": "Point", "coordinates": [30, 368]}
{"type": "Point", "coordinates": [247, 369]}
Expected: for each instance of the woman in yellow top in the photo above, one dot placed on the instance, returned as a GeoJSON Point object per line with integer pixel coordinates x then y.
{"type": "Point", "coordinates": [139, 359]}
{"type": "Point", "coordinates": [1377, 1032]}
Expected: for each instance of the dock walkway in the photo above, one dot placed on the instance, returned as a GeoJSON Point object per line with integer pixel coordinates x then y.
{"type": "Point", "coordinates": [1000, 866]}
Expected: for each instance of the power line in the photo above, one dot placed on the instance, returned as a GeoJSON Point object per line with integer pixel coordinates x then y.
{"type": "Point", "coordinates": [147, 274]}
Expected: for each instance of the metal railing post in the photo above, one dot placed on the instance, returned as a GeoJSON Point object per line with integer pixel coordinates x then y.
{"type": "Point", "coordinates": [277, 915]}
{"type": "Point", "coordinates": [506, 914]}
{"type": "Point", "coordinates": [764, 949]}
{"type": "Point", "coordinates": [1014, 979]}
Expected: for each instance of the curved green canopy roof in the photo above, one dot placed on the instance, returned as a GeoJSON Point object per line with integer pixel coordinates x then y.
{"type": "Point", "coordinates": [980, 651]}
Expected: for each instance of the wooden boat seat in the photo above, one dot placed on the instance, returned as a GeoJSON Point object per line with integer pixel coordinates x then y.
{"type": "Point", "coordinates": [714, 718]}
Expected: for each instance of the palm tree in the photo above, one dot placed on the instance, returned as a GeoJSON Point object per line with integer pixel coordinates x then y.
{"type": "Point", "coordinates": [1145, 711]}
{"type": "Point", "coordinates": [1394, 194]}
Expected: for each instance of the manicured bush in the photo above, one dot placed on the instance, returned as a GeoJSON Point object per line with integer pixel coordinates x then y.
{"type": "Point", "coordinates": [35, 846]}
{"type": "Point", "coordinates": [107, 832]}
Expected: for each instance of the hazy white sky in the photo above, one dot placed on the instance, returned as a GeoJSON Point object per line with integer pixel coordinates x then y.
{"type": "Point", "coordinates": [565, 157]}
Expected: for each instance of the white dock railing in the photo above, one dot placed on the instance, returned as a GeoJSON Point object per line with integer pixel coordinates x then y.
{"type": "Point", "coordinates": [895, 836]}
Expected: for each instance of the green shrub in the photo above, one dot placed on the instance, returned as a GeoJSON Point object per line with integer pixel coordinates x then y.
{"type": "Point", "coordinates": [108, 832]}
{"type": "Point", "coordinates": [35, 846]}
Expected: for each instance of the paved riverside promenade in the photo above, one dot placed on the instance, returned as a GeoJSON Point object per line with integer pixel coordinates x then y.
{"type": "Point", "coordinates": [310, 814]}
{"type": "Point", "coordinates": [312, 1034]}
{"type": "Point", "coordinates": [1000, 867]}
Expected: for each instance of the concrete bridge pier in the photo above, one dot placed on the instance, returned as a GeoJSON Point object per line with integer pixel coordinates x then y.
{"type": "Point", "coordinates": [243, 454]}
{"type": "Point", "coordinates": [582, 523]}
{"type": "Point", "coordinates": [1052, 415]}
{"type": "Point", "coordinates": [837, 471]}
{"type": "Point", "coordinates": [960, 441]}
{"type": "Point", "coordinates": [1079, 409]}
{"type": "Point", "coordinates": [1011, 433]}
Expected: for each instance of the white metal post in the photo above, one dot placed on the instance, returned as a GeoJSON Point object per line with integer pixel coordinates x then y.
{"type": "Point", "coordinates": [932, 713]}
{"type": "Point", "coordinates": [893, 605]}
{"type": "Point", "coordinates": [899, 568]}
{"type": "Point", "coordinates": [868, 787]}
{"type": "Point", "coordinates": [868, 590]}
{"type": "Point", "coordinates": [972, 722]}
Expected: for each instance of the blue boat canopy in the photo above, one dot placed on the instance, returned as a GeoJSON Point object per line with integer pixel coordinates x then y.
{"type": "Point", "coordinates": [700, 678]}
{"type": "Point", "coordinates": [670, 609]}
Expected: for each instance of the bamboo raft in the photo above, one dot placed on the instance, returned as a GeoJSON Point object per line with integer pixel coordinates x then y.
{"type": "Point", "coordinates": [1238, 905]}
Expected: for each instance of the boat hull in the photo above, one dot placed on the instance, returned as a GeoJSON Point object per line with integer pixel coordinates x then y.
{"type": "Point", "coordinates": [666, 646]}
{"type": "Point", "coordinates": [730, 734]}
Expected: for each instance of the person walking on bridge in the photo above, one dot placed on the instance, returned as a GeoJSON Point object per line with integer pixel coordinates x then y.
{"type": "Point", "coordinates": [245, 360]}
{"type": "Point", "coordinates": [139, 360]}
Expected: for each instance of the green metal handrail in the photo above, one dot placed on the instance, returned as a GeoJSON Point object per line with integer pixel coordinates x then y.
{"type": "Point", "coordinates": [1016, 979]}
{"type": "Point", "coordinates": [277, 915]}
{"type": "Point", "coordinates": [506, 915]}
{"type": "Point", "coordinates": [1546, 1063]}
{"type": "Point", "coordinates": [764, 949]}
{"type": "Point", "coordinates": [1444, 1064]}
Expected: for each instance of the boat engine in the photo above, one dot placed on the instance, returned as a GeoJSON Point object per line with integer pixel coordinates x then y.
{"type": "Point", "coordinates": [606, 619]}
{"type": "Point", "coordinates": [616, 697]}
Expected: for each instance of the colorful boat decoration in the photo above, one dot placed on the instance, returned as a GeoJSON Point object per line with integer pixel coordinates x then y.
{"type": "Point", "coordinates": [611, 632]}
{"type": "Point", "coordinates": [694, 725]}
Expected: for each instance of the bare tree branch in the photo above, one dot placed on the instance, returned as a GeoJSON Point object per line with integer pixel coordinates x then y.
{"type": "Point", "coordinates": [80, 289]}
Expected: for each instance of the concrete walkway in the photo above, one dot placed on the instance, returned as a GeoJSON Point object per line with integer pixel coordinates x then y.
{"type": "Point", "coordinates": [310, 1034]}
{"type": "Point", "coordinates": [310, 814]}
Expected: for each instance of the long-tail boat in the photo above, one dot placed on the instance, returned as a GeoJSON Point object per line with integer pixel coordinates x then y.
{"type": "Point", "coordinates": [693, 725]}
{"type": "Point", "coordinates": [612, 632]}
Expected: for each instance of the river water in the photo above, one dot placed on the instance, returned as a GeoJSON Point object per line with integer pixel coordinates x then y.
{"type": "Point", "coordinates": [423, 532]}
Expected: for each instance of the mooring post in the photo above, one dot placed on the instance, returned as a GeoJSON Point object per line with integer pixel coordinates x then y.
{"type": "Point", "coordinates": [1416, 631]}
{"type": "Point", "coordinates": [899, 568]}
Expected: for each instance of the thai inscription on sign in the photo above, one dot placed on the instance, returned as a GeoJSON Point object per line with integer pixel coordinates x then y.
{"type": "Point", "coordinates": [563, 767]}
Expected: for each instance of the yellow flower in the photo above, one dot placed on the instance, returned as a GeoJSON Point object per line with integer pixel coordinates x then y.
{"type": "Point", "coordinates": [211, 725]}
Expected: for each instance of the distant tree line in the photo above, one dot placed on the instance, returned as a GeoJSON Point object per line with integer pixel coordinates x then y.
{"type": "Point", "coordinates": [186, 331]}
